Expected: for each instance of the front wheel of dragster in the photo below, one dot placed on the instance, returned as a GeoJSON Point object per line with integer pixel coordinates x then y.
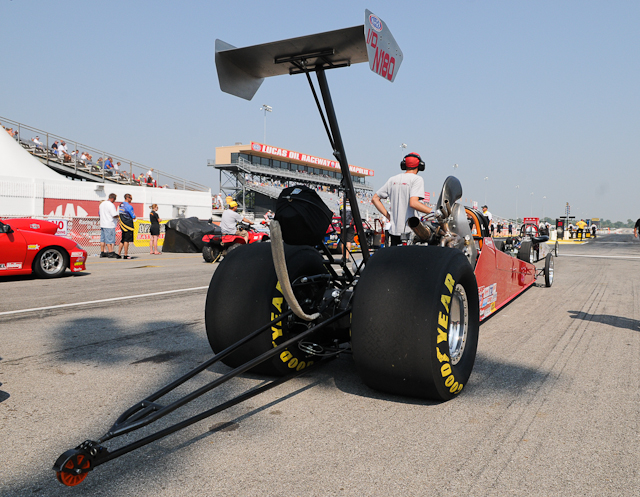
{"type": "Point", "coordinates": [415, 322]}
{"type": "Point", "coordinates": [244, 295]}
{"type": "Point", "coordinates": [548, 270]}
{"type": "Point", "coordinates": [555, 249]}
{"type": "Point", "coordinates": [526, 252]}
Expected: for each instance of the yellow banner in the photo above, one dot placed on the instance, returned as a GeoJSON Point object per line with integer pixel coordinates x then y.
{"type": "Point", "coordinates": [142, 236]}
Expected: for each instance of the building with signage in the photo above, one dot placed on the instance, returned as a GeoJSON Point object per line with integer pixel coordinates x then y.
{"type": "Point", "coordinates": [255, 173]}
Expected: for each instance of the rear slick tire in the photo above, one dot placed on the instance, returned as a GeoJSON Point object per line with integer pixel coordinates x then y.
{"type": "Point", "coordinates": [244, 295]}
{"type": "Point", "coordinates": [415, 322]}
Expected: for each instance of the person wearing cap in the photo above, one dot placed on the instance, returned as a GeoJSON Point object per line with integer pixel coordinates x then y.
{"type": "Point", "coordinates": [404, 191]}
{"type": "Point", "coordinates": [487, 214]}
{"type": "Point", "coordinates": [230, 220]}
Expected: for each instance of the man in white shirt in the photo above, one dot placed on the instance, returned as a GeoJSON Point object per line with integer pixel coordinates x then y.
{"type": "Point", "coordinates": [487, 214]}
{"type": "Point", "coordinates": [404, 191]}
{"type": "Point", "coordinates": [230, 219]}
{"type": "Point", "coordinates": [108, 217]}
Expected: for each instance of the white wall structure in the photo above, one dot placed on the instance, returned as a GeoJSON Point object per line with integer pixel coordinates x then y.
{"type": "Point", "coordinates": [29, 188]}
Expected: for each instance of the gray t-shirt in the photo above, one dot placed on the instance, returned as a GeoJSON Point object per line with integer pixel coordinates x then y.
{"type": "Point", "coordinates": [229, 220]}
{"type": "Point", "coordinates": [399, 189]}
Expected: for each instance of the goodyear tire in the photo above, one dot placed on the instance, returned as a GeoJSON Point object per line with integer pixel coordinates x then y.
{"type": "Point", "coordinates": [210, 253]}
{"type": "Point", "coordinates": [244, 295]}
{"type": "Point", "coordinates": [548, 270]}
{"type": "Point", "coordinates": [415, 322]}
{"type": "Point", "coordinates": [51, 262]}
{"type": "Point", "coordinates": [526, 252]}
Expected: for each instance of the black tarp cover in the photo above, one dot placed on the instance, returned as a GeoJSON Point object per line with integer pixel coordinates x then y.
{"type": "Point", "coordinates": [185, 234]}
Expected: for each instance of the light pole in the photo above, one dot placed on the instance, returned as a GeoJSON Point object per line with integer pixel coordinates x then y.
{"type": "Point", "coordinates": [531, 204]}
{"type": "Point", "coordinates": [486, 178]}
{"type": "Point", "coordinates": [266, 108]}
{"type": "Point", "coordinates": [517, 191]}
{"type": "Point", "coordinates": [403, 146]}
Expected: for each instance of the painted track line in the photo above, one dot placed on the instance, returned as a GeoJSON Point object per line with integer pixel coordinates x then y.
{"type": "Point", "coordinates": [603, 256]}
{"type": "Point", "coordinates": [114, 299]}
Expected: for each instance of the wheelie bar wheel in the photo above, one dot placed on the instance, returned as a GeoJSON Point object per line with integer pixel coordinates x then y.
{"type": "Point", "coordinates": [72, 467]}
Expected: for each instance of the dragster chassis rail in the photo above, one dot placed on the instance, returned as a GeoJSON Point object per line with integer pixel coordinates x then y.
{"type": "Point", "coordinates": [73, 466]}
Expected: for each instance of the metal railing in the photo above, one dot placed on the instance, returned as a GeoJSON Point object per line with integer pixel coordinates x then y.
{"type": "Point", "coordinates": [130, 172]}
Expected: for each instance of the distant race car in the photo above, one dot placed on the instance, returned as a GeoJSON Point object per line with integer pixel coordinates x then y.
{"type": "Point", "coordinates": [531, 246]}
{"type": "Point", "coordinates": [332, 238]}
{"type": "Point", "coordinates": [30, 245]}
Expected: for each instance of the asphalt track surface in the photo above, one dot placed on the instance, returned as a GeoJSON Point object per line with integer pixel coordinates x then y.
{"type": "Point", "coordinates": [552, 407]}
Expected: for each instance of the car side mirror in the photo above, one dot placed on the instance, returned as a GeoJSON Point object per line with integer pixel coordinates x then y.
{"type": "Point", "coordinates": [5, 228]}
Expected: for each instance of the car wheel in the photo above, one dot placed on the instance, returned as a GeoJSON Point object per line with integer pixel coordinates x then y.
{"type": "Point", "coordinates": [244, 295]}
{"type": "Point", "coordinates": [525, 253]}
{"type": "Point", "coordinates": [51, 262]}
{"type": "Point", "coordinates": [557, 246]}
{"type": "Point", "coordinates": [548, 270]}
{"type": "Point", "coordinates": [415, 322]}
{"type": "Point", "coordinates": [210, 253]}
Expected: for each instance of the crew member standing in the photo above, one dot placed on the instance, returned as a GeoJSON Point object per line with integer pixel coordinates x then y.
{"type": "Point", "coordinates": [404, 191]}
{"type": "Point", "coordinates": [127, 217]}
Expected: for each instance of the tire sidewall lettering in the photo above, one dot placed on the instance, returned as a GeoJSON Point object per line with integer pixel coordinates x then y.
{"type": "Point", "coordinates": [446, 371]}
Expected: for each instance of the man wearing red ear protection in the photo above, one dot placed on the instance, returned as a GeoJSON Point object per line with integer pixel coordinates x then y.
{"type": "Point", "coordinates": [404, 191]}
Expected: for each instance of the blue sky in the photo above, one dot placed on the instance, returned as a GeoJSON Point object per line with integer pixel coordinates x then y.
{"type": "Point", "coordinates": [544, 95]}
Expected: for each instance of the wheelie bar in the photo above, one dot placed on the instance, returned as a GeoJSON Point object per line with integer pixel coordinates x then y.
{"type": "Point", "coordinates": [73, 465]}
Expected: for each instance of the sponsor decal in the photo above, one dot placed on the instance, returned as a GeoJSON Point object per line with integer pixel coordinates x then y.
{"type": "Point", "coordinates": [446, 370]}
{"type": "Point", "coordinates": [2, 267]}
{"type": "Point", "coordinates": [488, 297]}
{"type": "Point", "coordinates": [75, 269]}
{"type": "Point", "coordinates": [78, 263]}
{"type": "Point", "coordinates": [14, 265]}
{"type": "Point", "coordinates": [310, 159]}
{"type": "Point", "coordinates": [34, 226]}
{"type": "Point", "coordinates": [33, 247]}
{"type": "Point", "coordinates": [77, 254]}
{"type": "Point", "coordinates": [375, 22]}
{"type": "Point", "coordinates": [489, 242]}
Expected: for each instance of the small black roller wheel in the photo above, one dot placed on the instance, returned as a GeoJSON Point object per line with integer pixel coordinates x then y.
{"type": "Point", "coordinates": [415, 322]}
{"type": "Point", "coordinates": [548, 270]}
{"type": "Point", "coordinates": [210, 253]}
{"type": "Point", "coordinates": [51, 262]}
{"type": "Point", "coordinates": [244, 295]}
{"type": "Point", "coordinates": [526, 252]}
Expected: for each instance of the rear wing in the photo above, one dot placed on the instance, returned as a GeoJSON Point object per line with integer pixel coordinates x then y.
{"type": "Point", "coordinates": [241, 71]}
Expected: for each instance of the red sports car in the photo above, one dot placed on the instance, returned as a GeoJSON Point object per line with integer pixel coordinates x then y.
{"type": "Point", "coordinates": [30, 245]}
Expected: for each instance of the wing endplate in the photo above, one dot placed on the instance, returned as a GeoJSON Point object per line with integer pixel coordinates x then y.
{"type": "Point", "coordinates": [383, 51]}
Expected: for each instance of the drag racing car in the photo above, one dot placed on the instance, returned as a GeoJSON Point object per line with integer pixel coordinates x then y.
{"type": "Point", "coordinates": [531, 245]}
{"type": "Point", "coordinates": [408, 315]}
{"type": "Point", "coordinates": [30, 245]}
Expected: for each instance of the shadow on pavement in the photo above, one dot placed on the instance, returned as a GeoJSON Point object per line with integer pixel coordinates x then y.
{"type": "Point", "coordinates": [616, 321]}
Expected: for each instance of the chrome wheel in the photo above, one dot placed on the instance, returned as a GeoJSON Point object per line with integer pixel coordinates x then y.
{"type": "Point", "coordinates": [51, 262]}
{"type": "Point", "coordinates": [458, 324]}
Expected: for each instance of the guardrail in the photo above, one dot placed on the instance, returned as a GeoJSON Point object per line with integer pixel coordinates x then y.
{"type": "Point", "coordinates": [129, 173]}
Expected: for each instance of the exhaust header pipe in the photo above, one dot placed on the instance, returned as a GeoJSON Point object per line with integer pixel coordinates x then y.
{"type": "Point", "coordinates": [422, 232]}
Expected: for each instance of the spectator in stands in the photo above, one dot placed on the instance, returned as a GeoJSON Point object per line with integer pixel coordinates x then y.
{"type": "Point", "coordinates": [127, 217]}
{"type": "Point", "coordinates": [54, 147]}
{"type": "Point", "coordinates": [141, 179]}
{"type": "Point", "coordinates": [62, 151]}
{"type": "Point", "coordinates": [149, 180]}
{"type": "Point", "coordinates": [150, 175]}
{"type": "Point", "coordinates": [37, 141]}
{"type": "Point", "coordinates": [83, 158]}
{"type": "Point", "coordinates": [108, 216]}
{"type": "Point", "coordinates": [116, 169]}
{"type": "Point", "coordinates": [108, 164]}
